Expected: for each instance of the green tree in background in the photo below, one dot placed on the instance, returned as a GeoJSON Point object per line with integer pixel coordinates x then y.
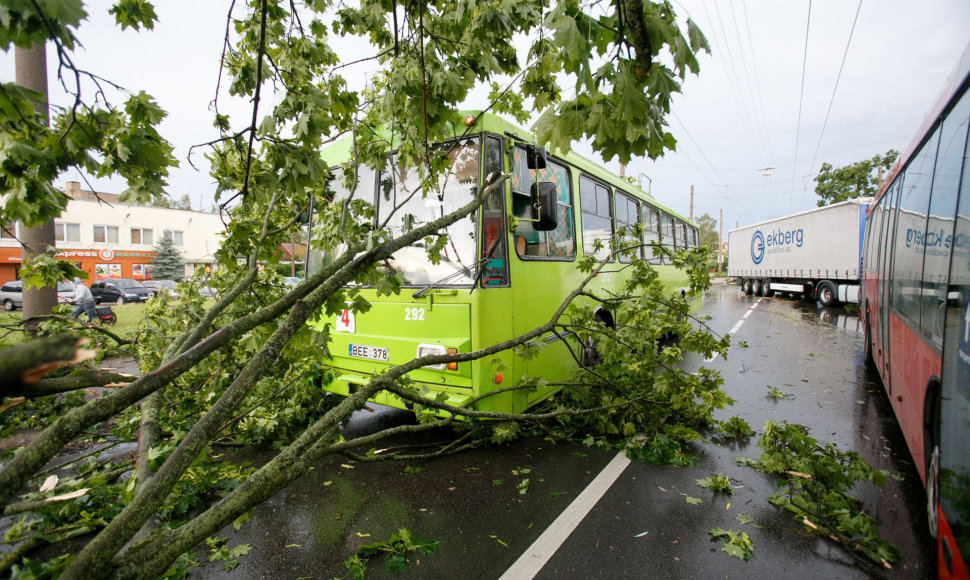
{"type": "Point", "coordinates": [167, 263]}
{"type": "Point", "coordinates": [860, 179]}
{"type": "Point", "coordinates": [707, 227]}
{"type": "Point", "coordinates": [183, 202]}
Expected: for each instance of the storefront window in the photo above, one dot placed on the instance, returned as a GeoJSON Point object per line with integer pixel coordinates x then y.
{"type": "Point", "coordinates": [107, 271]}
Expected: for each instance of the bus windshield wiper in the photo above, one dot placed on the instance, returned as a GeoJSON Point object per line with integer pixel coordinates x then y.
{"type": "Point", "coordinates": [464, 271]}
{"type": "Point", "coordinates": [480, 268]}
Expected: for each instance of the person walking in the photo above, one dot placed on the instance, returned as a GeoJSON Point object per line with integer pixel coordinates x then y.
{"type": "Point", "coordinates": [83, 301]}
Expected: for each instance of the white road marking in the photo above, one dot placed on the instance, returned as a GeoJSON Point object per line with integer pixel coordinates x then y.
{"type": "Point", "coordinates": [541, 551]}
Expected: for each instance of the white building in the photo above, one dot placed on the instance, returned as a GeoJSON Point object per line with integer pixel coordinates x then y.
{"type": "Point", "coordinates": [109, 239]}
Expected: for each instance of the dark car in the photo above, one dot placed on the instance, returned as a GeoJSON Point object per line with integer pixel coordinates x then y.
{"type": "Point", "coordinates": [12, 293]}
{"type": "Point", "coordinates": [121, 290]}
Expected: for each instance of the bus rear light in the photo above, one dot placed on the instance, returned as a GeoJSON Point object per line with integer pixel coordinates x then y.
{"type": "Point", "coordinates": [452, 366]}
{"type": "Point", "coordinates": [426, 349]}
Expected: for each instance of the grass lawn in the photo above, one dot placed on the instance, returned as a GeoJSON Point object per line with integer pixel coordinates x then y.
{"type": "Point", "coordinates": [129, 315]}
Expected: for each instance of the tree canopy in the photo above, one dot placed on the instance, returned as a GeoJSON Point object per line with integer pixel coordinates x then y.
{"type": "Point", "coordinates": [859, 179]}
{"type": "Point", "coordinates": [707, 232]}
{"type": "Point", "coordinates": [213, 371]}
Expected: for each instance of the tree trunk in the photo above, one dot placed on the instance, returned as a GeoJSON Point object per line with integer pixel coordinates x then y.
{"type": "Point", "coordinates": [31, 73]}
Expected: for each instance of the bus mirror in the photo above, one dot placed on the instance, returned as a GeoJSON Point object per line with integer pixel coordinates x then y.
{"type": "Point", "coordinates": [535, 157]}
{"type": "Point", "coordinates": [544, 199]}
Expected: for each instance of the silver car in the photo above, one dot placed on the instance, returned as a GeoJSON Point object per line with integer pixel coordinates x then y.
{"type": "Point", "coordinates": [158, 286]}
{"type": "Point", "coordinates": [12, 294]}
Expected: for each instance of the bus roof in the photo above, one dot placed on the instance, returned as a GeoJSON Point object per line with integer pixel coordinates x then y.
{"type": "Point", "coordinates": [340, 151]}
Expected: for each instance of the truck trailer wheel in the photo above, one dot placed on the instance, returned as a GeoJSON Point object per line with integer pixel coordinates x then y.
{"type": "Point", "coordinates": [826, 293]}
{"type": "Point", "coordinates": [766, 290]}
{"type": "Point", "coordinates": [756, 287]}
{"type": "Point", "coordinates": [746, 285]}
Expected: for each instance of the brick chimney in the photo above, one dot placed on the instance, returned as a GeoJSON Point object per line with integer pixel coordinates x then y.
{"type": "Point", "coordinates": [73, 189]}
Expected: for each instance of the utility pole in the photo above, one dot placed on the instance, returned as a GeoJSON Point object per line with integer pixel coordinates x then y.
{"type": "Point", "coordinates": [31, 73]}
{"type": "Point", "coordinates": [720, 244]}
{"type": "Point", "coordinates": [692, 202]}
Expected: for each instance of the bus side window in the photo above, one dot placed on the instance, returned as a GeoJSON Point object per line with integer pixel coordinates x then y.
{"type": "Point", "coordinates": [557, 244]}
{"type": "Point", "coordinates": [597, 211]}
{"type": "Point", "coordinates": [627, 214]}
{"type": "Point", "coordinates": [943, 202]}
{"type": "Point", "coordinates": [911, 230]}
{"type": "Point", "coordinates": [651, 233]}
{"type": "Point", "coordinates": [681, 235]}
{"type": "Point", "coordinates": [667, 235]}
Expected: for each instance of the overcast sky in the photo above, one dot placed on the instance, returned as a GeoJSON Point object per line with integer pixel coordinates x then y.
{"type": "Point", "coordinates": [738, 117]}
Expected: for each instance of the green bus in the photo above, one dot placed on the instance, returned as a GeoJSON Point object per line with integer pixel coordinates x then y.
{"type": "Point", "coordinates": [503, 271]}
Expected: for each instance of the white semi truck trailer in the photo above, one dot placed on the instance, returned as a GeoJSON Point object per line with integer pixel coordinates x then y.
{"type": "Point", "coordinates": [815, 253]}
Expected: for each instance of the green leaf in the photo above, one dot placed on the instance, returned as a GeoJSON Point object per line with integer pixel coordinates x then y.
{"type": "Point", "coordinates": [135, 14]}
{"type": "Point", "coordinates": [743, 518]}
{"type": "Point", "coordinates": [734, 550]}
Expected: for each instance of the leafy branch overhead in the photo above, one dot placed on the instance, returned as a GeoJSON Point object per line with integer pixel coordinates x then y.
{"type": "Point", "coordinates": [235, 370]}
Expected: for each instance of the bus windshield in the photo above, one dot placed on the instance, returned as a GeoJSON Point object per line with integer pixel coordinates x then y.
{"type": "Point", "coordinates": [403, 206]}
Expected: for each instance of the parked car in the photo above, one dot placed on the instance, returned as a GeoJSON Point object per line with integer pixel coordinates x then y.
{"type": "Point", "coordinates": [120, 290]}
{"type": "Point", "coordinates": [158, 285]}
{"type": "Point", "coordinates": [207, 291]}
{"type": "Point", "coordinates": [12, 294]}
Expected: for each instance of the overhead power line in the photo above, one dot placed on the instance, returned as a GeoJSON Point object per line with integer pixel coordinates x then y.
{"type": "Point", "coordinates": [835, 88]}
{"type": "Point", "coordinates": [801, 95]}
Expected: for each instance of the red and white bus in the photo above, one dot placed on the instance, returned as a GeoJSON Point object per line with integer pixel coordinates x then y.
{"type": "Point", "coordinates": [916, 304]}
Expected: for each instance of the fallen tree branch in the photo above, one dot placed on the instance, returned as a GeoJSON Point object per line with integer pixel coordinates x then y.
{"type": "Point", "coordinates": [26, 364]}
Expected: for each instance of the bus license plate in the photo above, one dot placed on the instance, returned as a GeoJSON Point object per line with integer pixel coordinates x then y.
{"type": "Point", "coordinates": [371, 352]}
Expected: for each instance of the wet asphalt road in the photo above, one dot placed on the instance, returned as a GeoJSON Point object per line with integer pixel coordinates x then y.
{"type": "Point", "coordinates": [642, 526]}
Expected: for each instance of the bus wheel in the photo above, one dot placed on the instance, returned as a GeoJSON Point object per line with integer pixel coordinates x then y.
{"type": "Point", "coordinates": [933, 490]}
{"type": "Point", "coordinates": [931, 451]}
{"type": "Point", "coordinates": [590, 355]}
{"type": "Point", "coordinates": [826, 294]}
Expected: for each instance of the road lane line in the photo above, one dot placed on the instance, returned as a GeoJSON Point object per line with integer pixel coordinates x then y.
{"type": "Point", "coordinates": [737, 326]}
{"type": "Point", "coordinates": [541, 551]}
{"type": "Point", "coordinates": [535, 557]}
